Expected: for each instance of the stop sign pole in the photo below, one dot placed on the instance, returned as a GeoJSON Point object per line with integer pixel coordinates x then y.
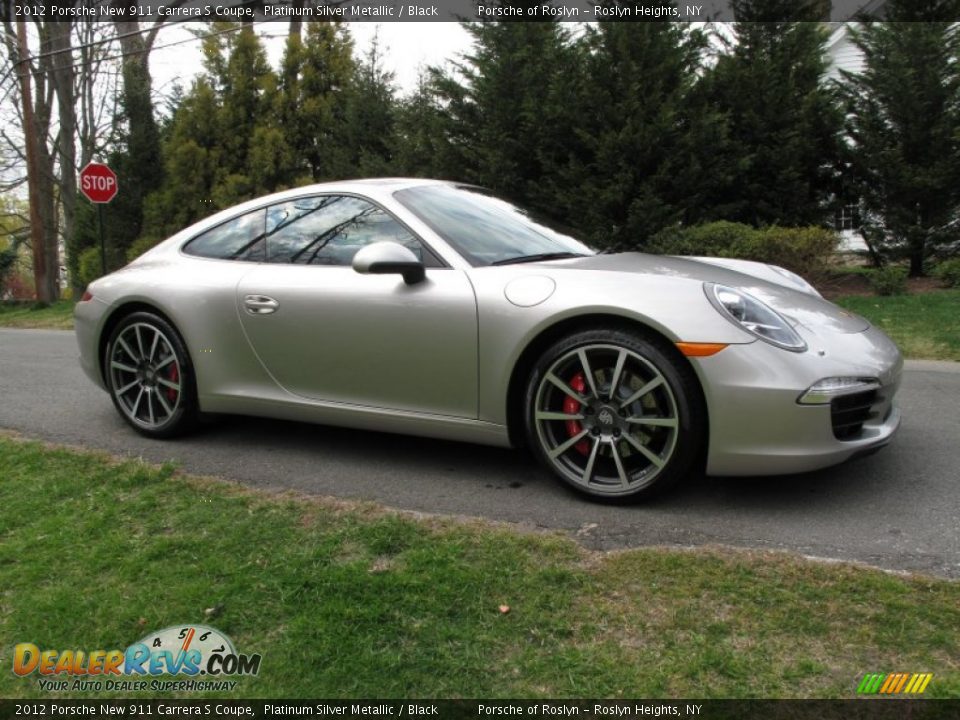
{"type": "Point", "coordinates": [98, 183]}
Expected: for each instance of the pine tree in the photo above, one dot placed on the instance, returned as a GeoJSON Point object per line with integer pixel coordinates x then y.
{"type": "Point", "coordinates": [315, 80]}
{"type": "Point", "coordinates": [420, 141]}
{"type": "Point", "coordinates": [247, 86]}
{"type": "Point", "coordinates": [192, 153]}
{"type": "Point", "coordinates": [632, 139]}
{"type": "Point", "coordinates": [904, 124]}
{"type": "Point", "coordinates": [370, 116]}
{"type": "Point", "coordinates": [224, 143]}
{"type": "Point", "coordinates": [498, 101]}
{"type": "Point", "coordinates": [784, 122]}
{"type": "Point", "coordinates": [137, 163]}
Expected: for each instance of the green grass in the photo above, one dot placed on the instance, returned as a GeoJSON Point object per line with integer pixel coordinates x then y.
{"type": "Point", "coordinates": [925, 325]}
{"type": "Point", "coordinates": [58, 316]}
{"type": "Point", "coordinates": [350, 600]}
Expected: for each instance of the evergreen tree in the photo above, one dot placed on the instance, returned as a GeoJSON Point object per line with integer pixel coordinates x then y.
{"type": "Point", "coordinates": [223, 144]}
{"type": "Point", "coordinates": [904, 123]}
{"type": "Point", "coordinates": [498, 100]}
{"type": "Point", "coordinates": [784, 122]}
{"type": "Point", "coordinates": [247, 86]}
{"type": "Point", "coordinates": [315, 79]}
{"type": "Point", "coordinates": [631, 140]}
{"type": "Point", "coordinates": [420, 140]}
{"type": "Point", "coordinates": [371, 108]}
{"type": "Point", "coordinates": [192, 153]}
{"type": "Point", "coordinates": [138, 162]}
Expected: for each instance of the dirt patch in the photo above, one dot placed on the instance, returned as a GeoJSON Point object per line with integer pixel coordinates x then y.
{"type": "Point", "coordinates": [834, 286]}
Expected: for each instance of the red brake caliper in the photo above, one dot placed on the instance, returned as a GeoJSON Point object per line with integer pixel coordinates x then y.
{"type": "Point", "coordinates": [174, 377]}
{"type": "Point", "coordinates": [571, 407]}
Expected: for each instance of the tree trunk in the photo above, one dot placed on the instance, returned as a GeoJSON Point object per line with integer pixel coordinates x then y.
{"type": "Point", "coordinates": [63, 78]}
{"type": "Point", "coordinates": [46, 286]}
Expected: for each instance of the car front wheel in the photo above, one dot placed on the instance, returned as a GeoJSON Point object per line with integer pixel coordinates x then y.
{"type": "Point", "coordinates": [615, 414]}
{"type": "Point", "coordinates": [150, 377]}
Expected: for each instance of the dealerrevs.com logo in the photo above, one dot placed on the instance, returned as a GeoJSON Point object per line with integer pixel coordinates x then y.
{"type": "Point", "coordinates": [199, 657]}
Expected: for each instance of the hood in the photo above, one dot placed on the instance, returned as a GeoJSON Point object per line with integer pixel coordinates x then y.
{"type": "Point", "coordinates": [797, 305]}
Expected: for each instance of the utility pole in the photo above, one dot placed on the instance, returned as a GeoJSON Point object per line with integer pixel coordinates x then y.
{"type": "Point", "coordinates": [33, 172]}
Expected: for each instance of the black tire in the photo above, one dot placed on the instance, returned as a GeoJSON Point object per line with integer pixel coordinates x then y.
{"type": "Point", "coordinates": [613, 438]}
{"type": "Point", "coordinates": [150, 377]}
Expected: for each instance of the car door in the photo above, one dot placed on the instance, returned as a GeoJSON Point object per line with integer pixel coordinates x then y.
{"type": "Point", "coordinates": [326, 332]}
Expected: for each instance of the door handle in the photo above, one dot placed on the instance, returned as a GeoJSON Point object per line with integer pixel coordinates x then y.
{"type": "Point", "coordinates": [260, 304]}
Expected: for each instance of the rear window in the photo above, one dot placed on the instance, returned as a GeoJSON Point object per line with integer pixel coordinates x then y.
{"type": "Point", "coordinates": [242, 238]}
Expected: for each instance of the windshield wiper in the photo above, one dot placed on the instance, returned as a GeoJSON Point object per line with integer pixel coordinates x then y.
{"type": "Point", "coordinates": [538, 257]}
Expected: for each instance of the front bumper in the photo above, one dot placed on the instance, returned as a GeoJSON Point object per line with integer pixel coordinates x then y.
{"type": "Point", "coordinates": [757, 427]}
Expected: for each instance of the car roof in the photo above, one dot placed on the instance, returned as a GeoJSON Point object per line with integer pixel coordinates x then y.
{"type": "Point", "coordinates": [389, 184]}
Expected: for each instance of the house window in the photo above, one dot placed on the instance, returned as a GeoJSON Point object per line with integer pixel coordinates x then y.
{"type": "Point", "coordinates": [847, 217]}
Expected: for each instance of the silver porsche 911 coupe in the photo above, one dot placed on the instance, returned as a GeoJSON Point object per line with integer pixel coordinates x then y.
{"type": "Point", "coordinates": [435, 309]}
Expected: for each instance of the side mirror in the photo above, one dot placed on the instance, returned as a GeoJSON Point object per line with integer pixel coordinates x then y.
{"type": "Point", "coordinates": [389, 258]}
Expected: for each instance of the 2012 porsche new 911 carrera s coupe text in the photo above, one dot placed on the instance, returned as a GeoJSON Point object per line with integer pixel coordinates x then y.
{"type": "Point", "coordinates": [435, 309]}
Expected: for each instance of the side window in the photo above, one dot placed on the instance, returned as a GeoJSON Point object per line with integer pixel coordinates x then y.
{"type": "Point", "coordinates": [238, 239]}
{"type": "Point", "coordinates": [330, 229]}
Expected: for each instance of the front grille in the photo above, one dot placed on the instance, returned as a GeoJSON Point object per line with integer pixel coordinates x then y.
{"type": "Point", "coordinates": [848, 413]}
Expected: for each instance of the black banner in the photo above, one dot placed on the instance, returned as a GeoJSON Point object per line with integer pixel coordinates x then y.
{"type": "Point", "coordinates": [860, 709]}
{"type": "Point", "coordinates": [421, 10]}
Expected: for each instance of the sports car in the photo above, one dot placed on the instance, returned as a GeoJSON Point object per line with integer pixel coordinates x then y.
{"type": "Point", "coordinates": [436, 309]}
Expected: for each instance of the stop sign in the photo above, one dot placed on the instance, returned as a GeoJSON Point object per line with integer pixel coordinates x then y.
{"type": "Point", "coordinates": [98, 182]}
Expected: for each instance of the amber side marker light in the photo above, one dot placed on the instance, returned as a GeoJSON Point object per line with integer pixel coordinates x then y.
{"type": "Point", "coordinates": [691, 349]}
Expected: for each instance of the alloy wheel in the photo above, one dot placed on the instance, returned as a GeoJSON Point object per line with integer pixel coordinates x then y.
{"type": "Point", "coordinates": [145, 375]}
{"type": "Point", "coordinates": [606, 418]}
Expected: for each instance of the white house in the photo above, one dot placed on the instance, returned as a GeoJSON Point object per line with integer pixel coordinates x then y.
{"type": "Point", "coordinates": [842, 55]}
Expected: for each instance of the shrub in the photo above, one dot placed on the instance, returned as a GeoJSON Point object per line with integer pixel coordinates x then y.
{"type": "Point", "coordinates": [88, 266]}
{"type": "Point", "coordinates": [888, 280]}
{"type": "Point", "coordinates": [9, 252]}
{"type": "Point", "coordinates": [140, 246]}
{"type": "Point", "coordinates": [949, 272]}
{"type": "Point", "coordinates": [805, 250]}
{"type": "Point", "coordinates": [18, 286]}
{"type": "Point", "coordinates": [716, 239]}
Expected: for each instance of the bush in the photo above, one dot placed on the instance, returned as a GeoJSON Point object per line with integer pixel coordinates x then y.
{"type": "Point", "coordinates": [949, 272]}
{"type": "Point", "coordinates": [888, 280]}
{"type": "Point", "coordinates": [716, 239]}
{"type": "Point", "coordinates": [8, 260]}
{"type": "Point", "coordinates": [806, 251]}
{"type": "Point", "coordinates": [89, 266]}
{"type": "Point", "coordinates": [18, 286]}
{"type": "Point", "coordinates": [140, 246]}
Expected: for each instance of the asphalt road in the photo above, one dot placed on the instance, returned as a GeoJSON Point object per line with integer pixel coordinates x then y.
{"type": "Point", "coordinates": [898, 509]}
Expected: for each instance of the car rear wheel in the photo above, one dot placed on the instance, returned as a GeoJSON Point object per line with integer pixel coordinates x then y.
{"type": "Point", "coordinates": [150, 377]}
{"type": "Point", "coordinates": [615, 414]}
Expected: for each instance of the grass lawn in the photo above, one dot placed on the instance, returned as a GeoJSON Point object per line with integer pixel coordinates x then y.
{"type": "Point", "coordinates": [924, 325]}
{"type": "Point", "coordinates": [58, 316]}
{"type": "Point", "coordinates": [350, 600]}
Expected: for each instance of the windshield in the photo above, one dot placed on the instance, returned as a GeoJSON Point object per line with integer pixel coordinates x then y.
{"type": "Point", "coordinates": [486, 230]}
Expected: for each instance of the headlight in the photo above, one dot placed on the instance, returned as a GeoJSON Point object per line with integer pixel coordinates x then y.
{"type": "Point", "coordinates": [747, 312]}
